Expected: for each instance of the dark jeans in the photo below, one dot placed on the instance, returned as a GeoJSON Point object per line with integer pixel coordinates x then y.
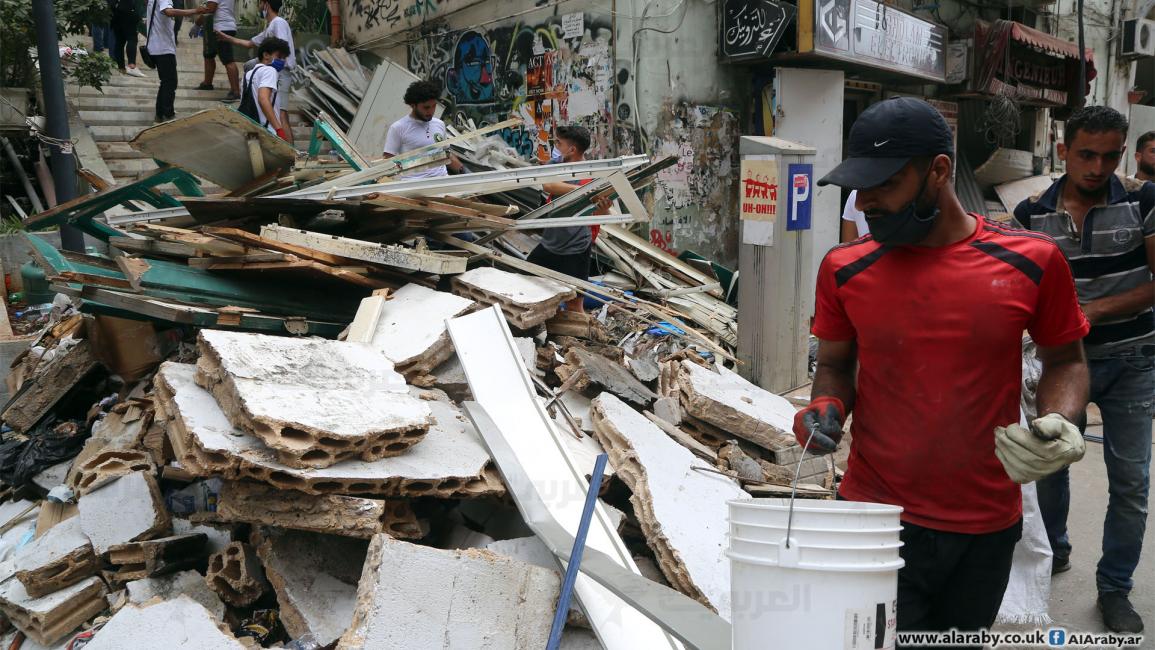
{"type": "Point", "coordinates": [1124, 389]}
{"type": "Point", "coordinates": [166, 94]}
{"type": "Point", "coordinates": [953, 580]}
{"type": "Point", "coordinates": [102, 38]}
{"type": "Point", "coordinates": [124, 27]}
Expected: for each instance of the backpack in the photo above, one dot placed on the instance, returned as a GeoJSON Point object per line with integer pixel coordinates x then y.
{"type": "Point", "coordinates": [248, 106]}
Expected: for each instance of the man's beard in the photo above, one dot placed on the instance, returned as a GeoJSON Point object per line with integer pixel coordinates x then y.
{"type": "Point", "coordinates": [1148, 169]}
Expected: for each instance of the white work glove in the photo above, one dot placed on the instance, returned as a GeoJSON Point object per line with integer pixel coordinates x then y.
{"type": "Point", "coordinates": [1051, 443]}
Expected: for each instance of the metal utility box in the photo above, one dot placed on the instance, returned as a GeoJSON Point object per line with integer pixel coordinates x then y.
{"type": "Point", "coordinates": [776, 195]}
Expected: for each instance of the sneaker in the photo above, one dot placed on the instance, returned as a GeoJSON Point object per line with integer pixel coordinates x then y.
{"type": "Point", "coordinates": [205, 86]}
{"type": "Point", "coordinates": [134, 72]}
{"type": "Point", "coordinates": [231, 97]}
{"type": "Point", "coordinates": [1118, 614]}
{"type": "Point", "coordinates": [1060, 565]}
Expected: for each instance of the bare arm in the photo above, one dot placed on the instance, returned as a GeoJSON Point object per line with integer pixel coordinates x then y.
{"type": "Point", "coordinates": [265, 100]}
{"type": "Point", "coordinates": [849, 231]}
{"type": "Point", "coordinates": [558, 189]}
{"type": "Point", "coordinates": [1065, 383]}
{"type": "Point", "coordinates": [1127, 303]}
{"type": "Point", "coordinates": [174, 13]}
{"type": "Point", "coordinates": [233, 39]}
{"type": "Point", "coordinates": [834, 376]}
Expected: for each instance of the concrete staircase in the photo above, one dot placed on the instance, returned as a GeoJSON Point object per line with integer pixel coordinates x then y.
{"type": "Point", "coordinates": [126, 106]}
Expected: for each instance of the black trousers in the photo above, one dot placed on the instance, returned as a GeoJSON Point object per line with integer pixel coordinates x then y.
{"type": "Point", "coordinates": [166, 94]}
{"type": "Point", "coordinates": [953, 580]}
{"type": "Point", "coordinates": [124, 29]}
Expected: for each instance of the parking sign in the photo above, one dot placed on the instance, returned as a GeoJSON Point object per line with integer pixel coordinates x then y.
{"type": "Point", "coordinates": [801, 193]}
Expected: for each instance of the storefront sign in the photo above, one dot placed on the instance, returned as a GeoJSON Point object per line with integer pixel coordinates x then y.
{"type": "Point", "coordinates": [876, 35]}
{"type": "Point", "coordinates": [1029, 66]}
{"type": "Point", "coordinates": [751, 29]}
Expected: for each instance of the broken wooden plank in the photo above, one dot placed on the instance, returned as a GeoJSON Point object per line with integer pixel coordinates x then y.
{"type": "Point", "coordinates": [681, 510]}
{"type": "Point", "coordinates": [153, 247]}
{"type": "Point", "coordinates": [315, 402]}
{"type": "Point", "coordinates": [202, 243]}
{"type": "Point", "coordinates": [305, 268]}
{"type": "Point", "coordinates": [72, 361]}
{"type": "Point", "coordinates": [449, 462]}
{"type": "Point", "coordinates": [387, 254]}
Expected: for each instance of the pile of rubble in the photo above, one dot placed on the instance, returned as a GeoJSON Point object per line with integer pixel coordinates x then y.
{"type": "Point", "coordinates": [288, 418]}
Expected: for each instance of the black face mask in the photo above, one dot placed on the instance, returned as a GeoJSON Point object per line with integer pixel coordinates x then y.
{"type": "Point", "coordinates": [908, 226]}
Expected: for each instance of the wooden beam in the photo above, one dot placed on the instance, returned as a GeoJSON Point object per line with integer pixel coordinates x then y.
{"type": "Point", "coordinates": [249, 238]}
{"type": "Point", "coordinates": [386, 254]}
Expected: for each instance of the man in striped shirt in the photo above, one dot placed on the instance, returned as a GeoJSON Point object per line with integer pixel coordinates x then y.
{"type": "Point", "coordinates": [1105, 226]}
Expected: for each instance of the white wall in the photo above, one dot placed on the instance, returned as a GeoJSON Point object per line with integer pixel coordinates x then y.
{"type": "Point", "coordinates": [809, 111]}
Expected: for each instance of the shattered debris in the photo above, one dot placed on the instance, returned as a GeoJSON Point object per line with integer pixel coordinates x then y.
{"type": "Point", "coordinates": [252, 412]}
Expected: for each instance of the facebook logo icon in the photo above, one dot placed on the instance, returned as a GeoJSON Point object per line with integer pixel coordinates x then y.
{"type": "Point", "coordinates": [1056, 636]}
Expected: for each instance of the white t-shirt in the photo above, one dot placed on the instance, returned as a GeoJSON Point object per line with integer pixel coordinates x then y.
{"type": "Point", "coordinates": [224, 20]}
{"type": "Point", "coordinates": [407, 134]}
{"type": "Point", "coordinates": [279, 28]}
{"type": "Point", "coordinates": [263, 76]}
{"type": "Point", "coordinates": [162, 35]}
{"type": "Point", "coordinates": [851, 213]}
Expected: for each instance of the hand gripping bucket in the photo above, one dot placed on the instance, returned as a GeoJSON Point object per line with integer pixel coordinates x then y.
{"type": "Point", "coordinates": [825, 578]}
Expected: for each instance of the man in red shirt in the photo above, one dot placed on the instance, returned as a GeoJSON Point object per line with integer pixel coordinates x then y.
{"type": "Point", "coordinates": [930, 310]}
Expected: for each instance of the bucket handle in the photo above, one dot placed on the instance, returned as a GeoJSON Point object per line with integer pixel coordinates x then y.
{"type": "Point", "coordinates": [794, 486]}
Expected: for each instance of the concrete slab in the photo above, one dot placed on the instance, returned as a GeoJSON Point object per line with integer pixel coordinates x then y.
{"type": "Point", "coordinates": [470, 599]}
{"type": "Point", "coordinates": [450, 461]}
{"type": "Point", "coordinates": [682, 511]}
{"type": "Point", "coordinates": [126, 510]}
{"type": "Point", "coordinates": [527, 301]}
{"type": "Point", "coordinates": [236, 575]}
{"type": "Point", "coordinates": [729, 402]}
{"type": "Point", "coordinates": [187, 583]}
{"type": "Point", "coordinates": [315, 578]}
{"type": "Point", "coordinates": [316, 402]}
{"type": "Point", "coordinates": [610, 376]}
{"type": "Point", "coordinates": [48, 619]}
{"type": "Point", "coordinates": [110, 464]}
{"type": "Point", "coordinates": [178, 623]}
{"type": "Point", "coordinates": [409, 327]}
{"type": "Point", "coordinates": [259, 503]}
{"type": "Point", "coordinates": [60, 557]}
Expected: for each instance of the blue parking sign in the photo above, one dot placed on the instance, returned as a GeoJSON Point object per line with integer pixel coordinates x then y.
{"type": "Point", "coordinates": [799, 195]}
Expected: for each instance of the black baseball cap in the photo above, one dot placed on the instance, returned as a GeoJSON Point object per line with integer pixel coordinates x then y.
{"type": "Point", "coordinates": [886, 137]}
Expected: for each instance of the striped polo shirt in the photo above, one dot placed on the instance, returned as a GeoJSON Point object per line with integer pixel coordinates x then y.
{"type": "Point", "coordinates": [1108, 258]}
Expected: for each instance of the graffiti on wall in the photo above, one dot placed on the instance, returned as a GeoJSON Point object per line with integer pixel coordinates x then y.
{"type": "Point", "coordinates": [365, 20]}
{"type": "Point", "coordinates": [694, 203]}
{"type": "Point", "coordinates": [557, 71]}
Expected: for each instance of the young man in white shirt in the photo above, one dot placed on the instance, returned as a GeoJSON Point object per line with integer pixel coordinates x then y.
{"type": "Point", "coordinates": [853, 220]}
{"type": "Point", "coordinates": [420, 129]}
{"type": "Point", "coordinates": [224, 21]}
{"type": "Point", "coordinates": [261, 82]}
{"type": "Point", "coordinates": [161, 44]}
{"type": "Point", "coordinates": [275, 27]}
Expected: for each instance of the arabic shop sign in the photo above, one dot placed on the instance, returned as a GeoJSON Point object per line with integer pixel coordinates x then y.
{"type": "Point", "coordinates": [751, 29]}
{"type": "Point", "coordinates": [880, 36]}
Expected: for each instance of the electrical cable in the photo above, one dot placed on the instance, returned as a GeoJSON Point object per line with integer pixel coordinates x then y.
{"type": "Point", "coordinates": [634, 53]}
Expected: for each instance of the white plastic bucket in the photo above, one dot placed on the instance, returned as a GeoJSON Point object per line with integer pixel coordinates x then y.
{"type": "Point", "coordinates": [810, 535]}
{"type": "Point", "coordinates": [841, 515]}
{"type": "Point", "coordinates": [826, 589]}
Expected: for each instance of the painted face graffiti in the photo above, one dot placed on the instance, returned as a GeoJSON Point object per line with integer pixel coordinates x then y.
{"type": "Point", "coordinates": [470, 80]}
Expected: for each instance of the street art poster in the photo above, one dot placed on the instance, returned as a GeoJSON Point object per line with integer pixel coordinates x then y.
{"type": "Point", "coordinates": [554, 71]}
{"type": "Point", "coordinates": [758, 190]}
